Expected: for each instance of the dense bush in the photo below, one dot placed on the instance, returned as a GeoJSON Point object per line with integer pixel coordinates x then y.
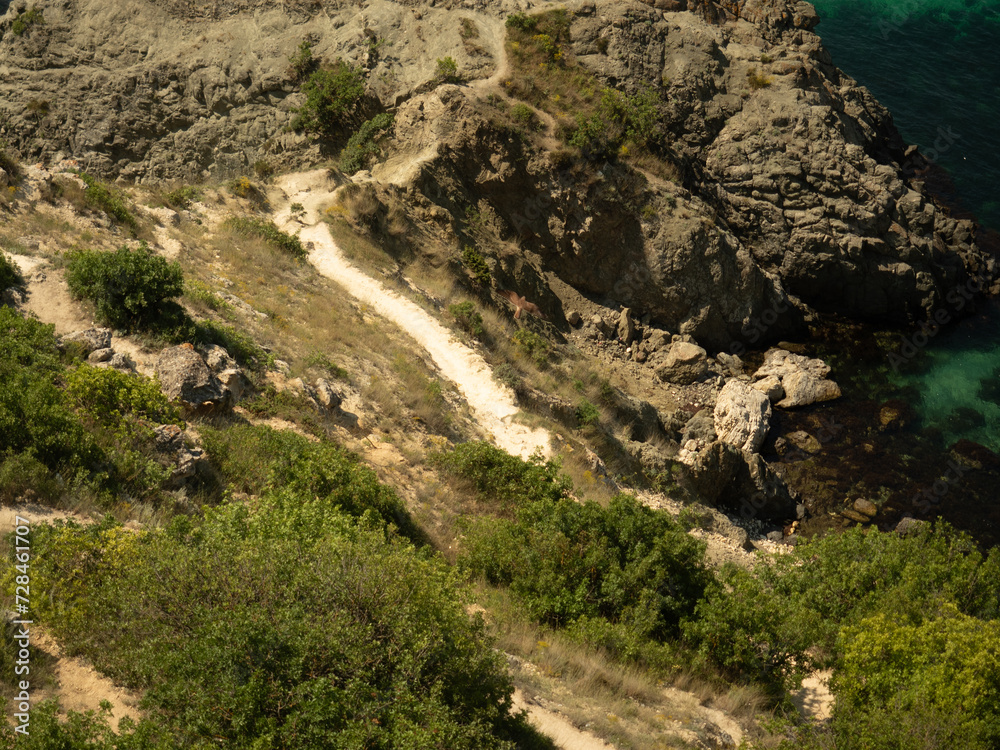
{"type": "Point", "coordinates": [759, 624]}
{"type": "Point", "coordinates": [10, 274]}
{"type": "Point", "coordinates": [242, 631]}
{"type": "Point", "coordinates": [111, 395]}
{"type": "Point", "coordinates": [183, 196]}
{"type": "Point", "coordinates": [565, 560]}
{"type": "Point", "coordinates": [476, 265]}
{"type": "Point", "coordinates": [506, 480]}
{"type": "Point", "coordinates": [933, 684]}
{"type": "Point", "coordinates": [619, 119]}
{"type": "Point", "coordinates": [363, 144]}
{"type": "Point", "coordinates": [267, 231]}
{"type": "Point", "coordinates": [533, 346]}
{"type": "Point", "coordinates": [447, 70]}
{"type": "Point", "coordinates": [257, 459]}
{"type": "Point", "coordinates": [129, 288]}
{"type": "Point", "coordinates": [332, 96]}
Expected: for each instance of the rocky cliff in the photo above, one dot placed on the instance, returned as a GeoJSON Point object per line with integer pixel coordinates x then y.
{"type": "Point", "coordinates": [778, 189]}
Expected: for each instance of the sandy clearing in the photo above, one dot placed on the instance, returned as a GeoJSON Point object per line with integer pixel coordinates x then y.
{"type": "Point", "coordinates": [494, 405]}
{"type": "Point", "coordinates": [81, 687]}
{"type": "Point", "coordinates": [557, 727]}
{"type": "Point", "coordinates": [814, 699]}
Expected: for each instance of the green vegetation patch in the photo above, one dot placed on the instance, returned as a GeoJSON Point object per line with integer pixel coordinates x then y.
{"type": "Point", "coordinates": [363, 145]}
{"type": "Point", "coordinates": [332, 96]}
{"type": "Point", "coordinates": [502, 479]}
{"type": "Point", "coordinates": [10, 273]}
{"type": "Point", "coordinates": [468, 318]}
{"type": "Point", "coordinates": [131, 289]}
{"type": "Point", "coordinates": [183, 196]}
{"type": "Point", "coordinates": [566, 561]}
{"type": "Point", "coordinates": [267, 231]}
{"type": "Point", "coordinates": [476, 265]}
{"type": "Point", "coordinates": [285, 625]}
{"type": "Point", "coordinates": [26, 19]}
{"type": "Point", "coordinates": [112, 202]}
{"type": "Point", "coordinates": [601, 121]}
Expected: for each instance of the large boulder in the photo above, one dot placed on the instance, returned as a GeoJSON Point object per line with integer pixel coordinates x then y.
{"type": "Point", "coordinates": [683, 364]}
{"type": "Point", "coordinates": [742, 416]}
{"type": "Point", "coordinates": [90, 340]}
{"type": "Point", "coordinates": [725, 476]}
{"type": "Point", "coordinates": [185, 377]}
{"type": "Point", "coordinates": [802, 379]}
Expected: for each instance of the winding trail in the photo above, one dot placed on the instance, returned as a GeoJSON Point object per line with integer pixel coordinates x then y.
{"type": "Point", "coordinates": [494, 405]}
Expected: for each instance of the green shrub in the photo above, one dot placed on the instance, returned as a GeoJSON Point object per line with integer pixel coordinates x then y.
{"type": "Point", "coordinates": [110, 396]}
{"type": "Point", "coordinates": [109, 200]}
{"type": "Point", "coordinates": [263, 169]}
{"type": "Point", "coordinates": [532, 346]}
{"type": "Point", "coordinates": [522, 22]}
{"type": "Point", "coordinates": [760, 625]}
{"type": "Point", "coordinates": [619, 119]}
{"type": "Point", "coordinates": [183, 196]}
{"type": "Point", "coordinates": [935, 684]}
{"type": "Point", "coordinates": [363, 144]}
{"type": "Point", "coordinates": [507, 374]}
{"type": "Point", "coordinates": [242, 631]}
{"type": "Point", "coordinates": [447, 71]}
{"type": "Point", "coordinates": [244, 187]}
{"type": "Point", "coordinates": [26, 19]}
{"type": "Point", "coordinates": [303, 63]}
{"type": "Point", "coordinates": [565, 560]}
{"type": "Point", "coordinates": [10, 274]}
{"type": "Point", "coordinates": [587, 414]}
{"type": "Point", "coordinates": [332, 96]}
{"type": "Point", "coordinates": [476, 265]}
{"type": "Point", "coordinates": [267, 231]}
{"type": "Point", "coordinates": [524, 115]}
{"type": "Point", "coordinates": [130, 288]}
{"type": "Point", "coordinates": [466, 316]}
{"type": "Point", "coordinates": [20, 472]}
{"type": "Point", "coordinates": [505, 480]}
{"type": "Point", "coordinates": [322, 361]}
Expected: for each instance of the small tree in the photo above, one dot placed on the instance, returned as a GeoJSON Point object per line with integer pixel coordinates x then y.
{"type": "Point", "coordinates": [332, 96]}
{"type": "Point", "coordinates": [128, 287]}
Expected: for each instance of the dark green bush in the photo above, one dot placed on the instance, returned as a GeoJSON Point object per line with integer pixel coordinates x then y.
{"type": "Point", "coordinates": [332, 96]}
{"type": "Point", "coordinates": [587, 414]}
{"type": "Point", "coordinates": [532, 345]}
{"type": "Point", "coordinates": [476, 265]}
{"type": "Point", "coordinates": [130, 288]}
{"type": "Point", "coordinates": [10, 274]}
{"type": "Point", "coordinates": [256, 459]}
{"type": "Point", "coordinates": [109, 200]}
{"type": "Point", "coordinates": [267, 231]}
{"type": "Point", "coordinates": [466, 316]}
{"type": "Point", "coordinates": [761, 624]}
{"type": "Point", "coordinates": [620, 119]}
{"type": "Point", "coordinates": [26, 19]}
{"type": "Point", "coordinates": [565, 560]}
{"type": "Point", "coordinates": [508, 481]}
{"type": "Point", "coordinates": [363, 144]}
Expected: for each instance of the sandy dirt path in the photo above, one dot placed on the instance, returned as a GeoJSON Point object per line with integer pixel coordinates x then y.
{"type": "Point", "coordinates": [557, 727]}
{"type": "Point", "coordinates": [493, 404]}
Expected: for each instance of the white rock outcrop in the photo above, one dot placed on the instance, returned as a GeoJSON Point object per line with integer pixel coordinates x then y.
{"type": "Point", "coordinates": [742, 416]}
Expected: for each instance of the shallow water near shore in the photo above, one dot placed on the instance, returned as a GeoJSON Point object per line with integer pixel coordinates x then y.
{"type": "Point", "coordinates": [911, 399]}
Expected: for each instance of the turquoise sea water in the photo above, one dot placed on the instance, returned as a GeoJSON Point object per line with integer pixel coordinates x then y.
{"type": "Point", "coordinates": [934, 64]}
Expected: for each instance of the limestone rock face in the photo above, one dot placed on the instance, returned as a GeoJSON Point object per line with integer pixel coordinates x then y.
{"type": "Point", "coordinates": [683, 364]}
{"type": "Point", "coordinates": [742, 482]}
{"type": "Point", "coordinates": [802, 379]}
{"type": "Point", "coordinates": [742, 416]}
{"type": "Point", "coordinates": [185, 377]}
{"type": "Point", "coordinates": [92, 339]}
